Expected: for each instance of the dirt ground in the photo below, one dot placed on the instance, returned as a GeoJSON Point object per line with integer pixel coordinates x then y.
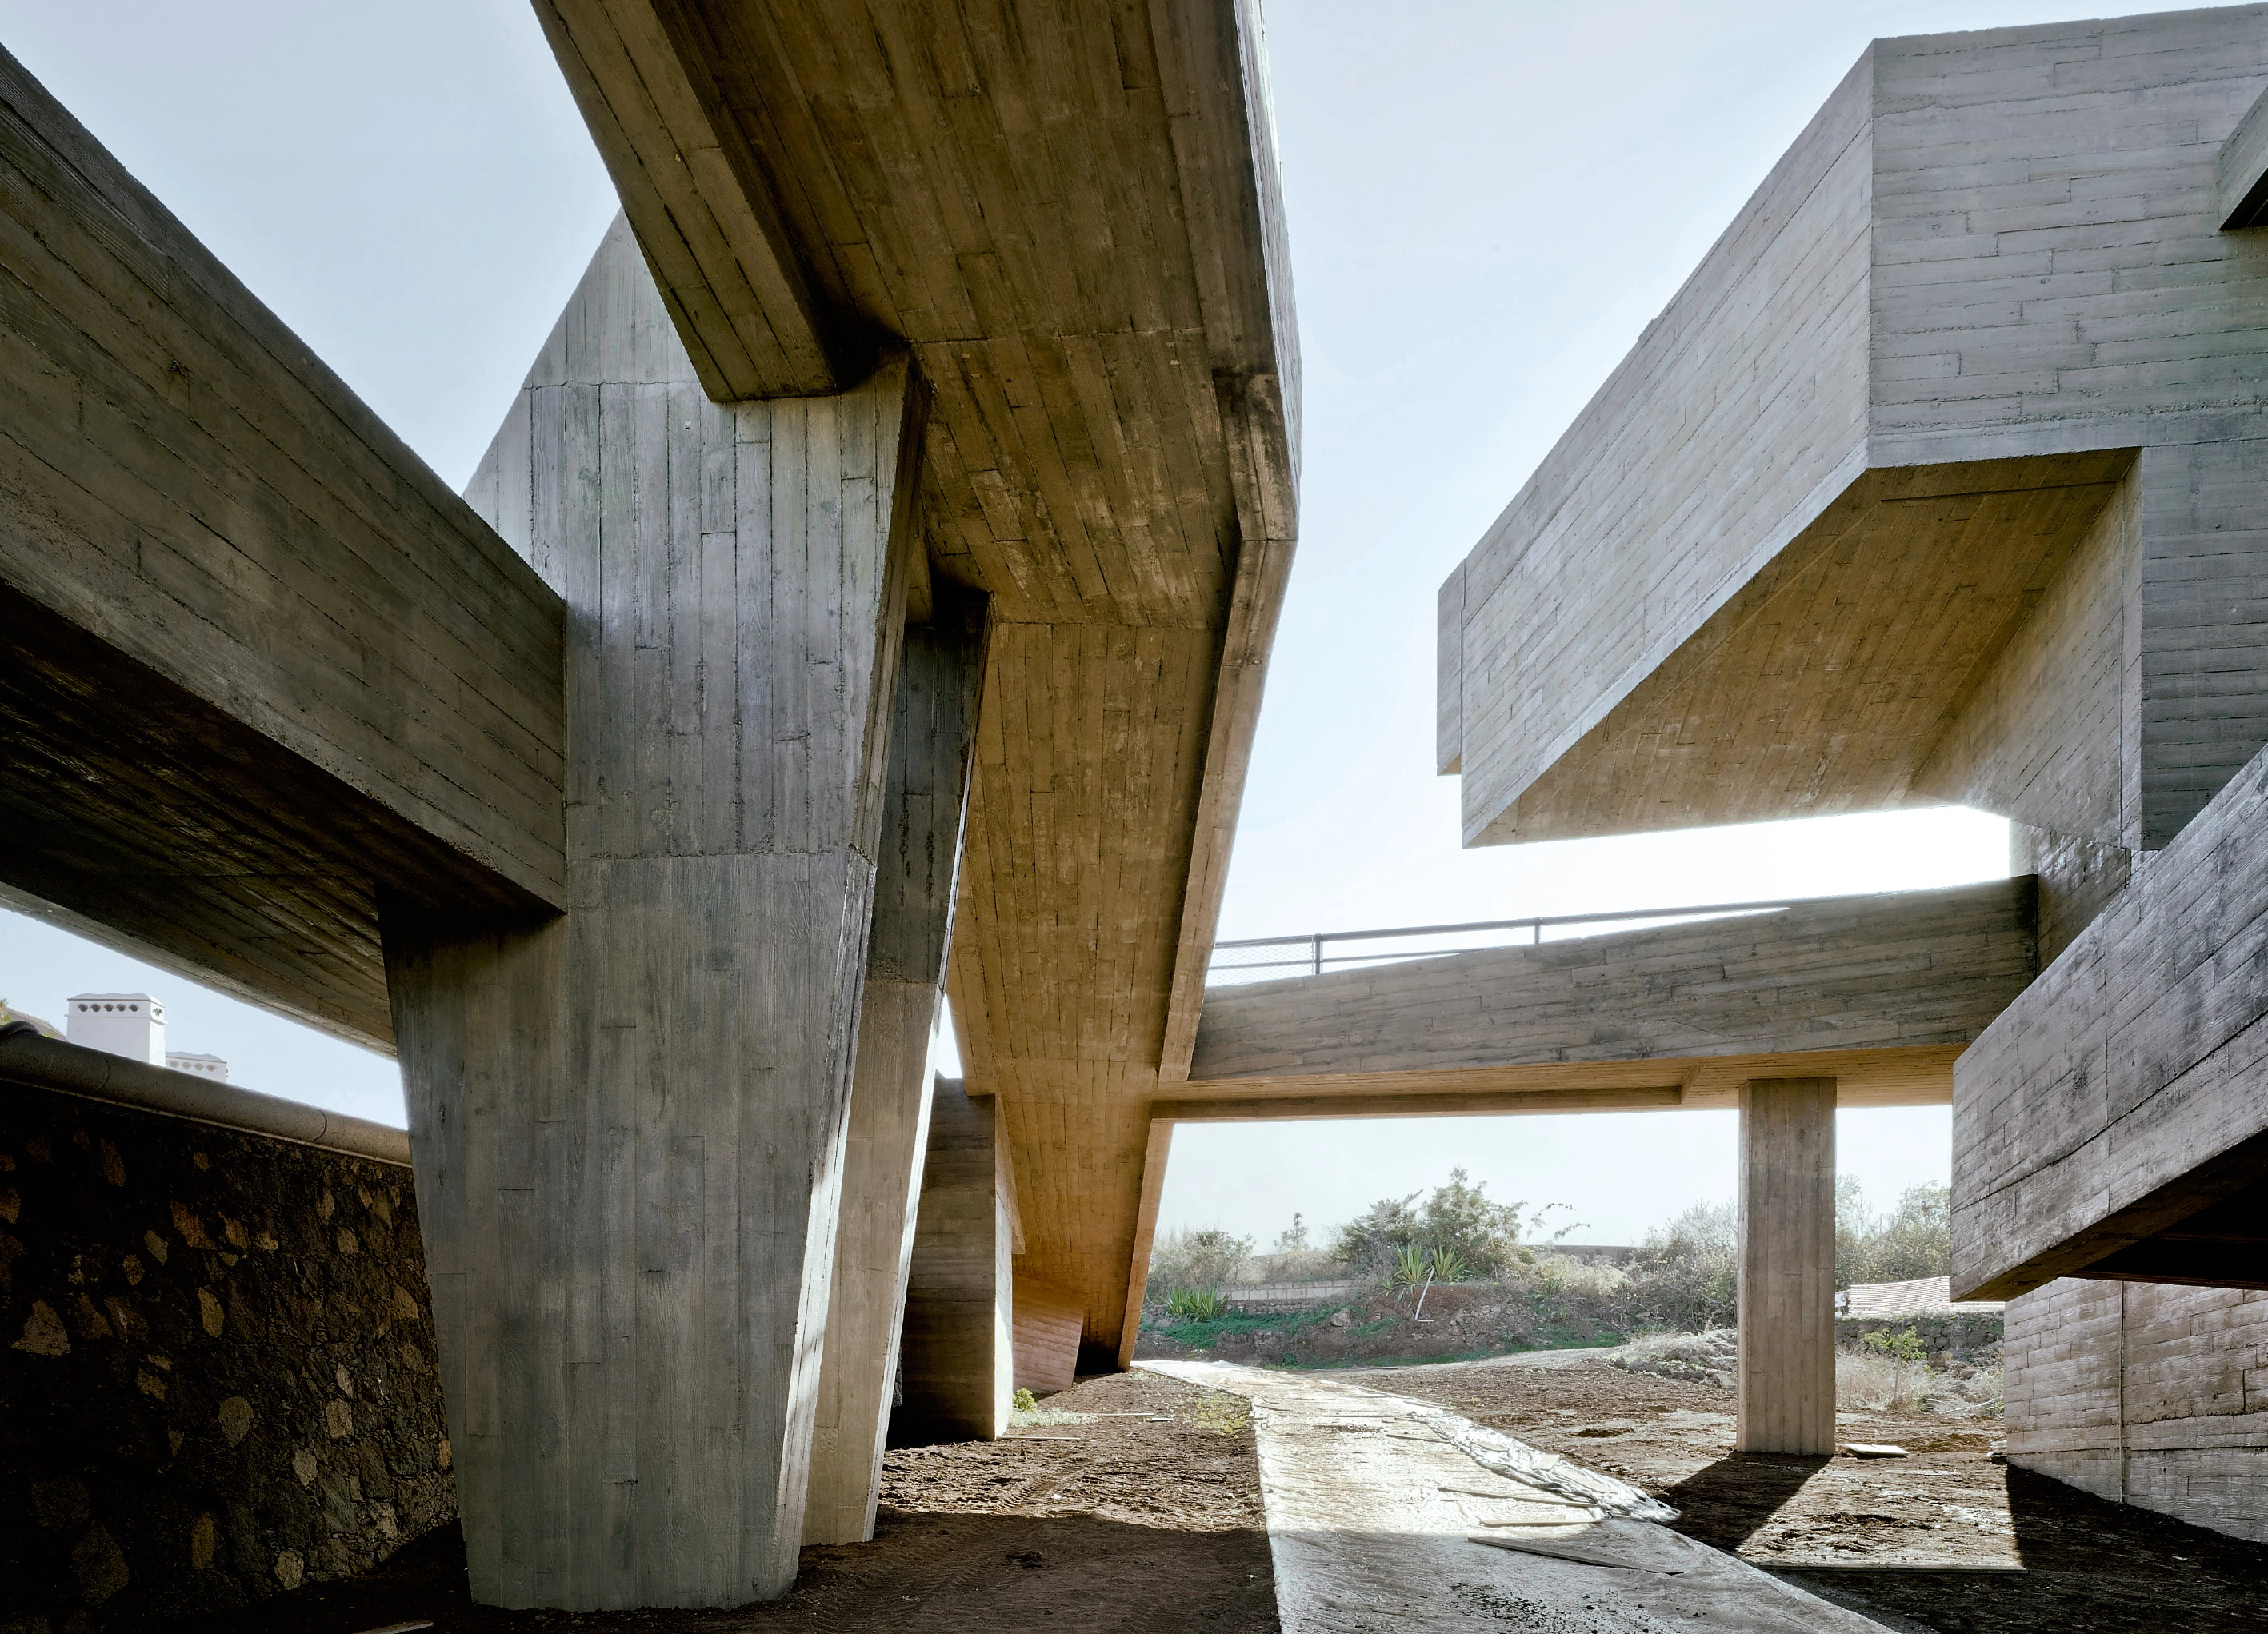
{"type": "Point", "coordinates": [1114, 1523]}
{"type": "Point", "coordinates": [1943, 1541]}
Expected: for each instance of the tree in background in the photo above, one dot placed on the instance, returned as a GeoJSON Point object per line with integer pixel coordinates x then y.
{"type": "Point", "coordinates": [1685, 1278]}
{"type": "Point", "coordinates": [1914, 1240]}
{"type": "Point", "coordinates": [1459, 1229]}
{"type": "Point", "coordinates": [1197, 1261]}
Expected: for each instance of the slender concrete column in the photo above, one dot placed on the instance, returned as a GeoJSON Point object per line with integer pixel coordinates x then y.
{"type": "Point", "coordinates": [1786, 1373]}
{"type": "Point", "coordinates": [931, 735]}
{"type": "Point", "coordinates": [629, 1124]}
{"type": "Point", "coordinates": [959, 1348]}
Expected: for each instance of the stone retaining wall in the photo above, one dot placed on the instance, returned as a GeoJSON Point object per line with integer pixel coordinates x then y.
{"type": "Point", "coordinates": [216, 1368]}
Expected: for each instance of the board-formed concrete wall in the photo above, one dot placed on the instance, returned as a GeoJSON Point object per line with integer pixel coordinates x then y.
{"type": "Point", "coordinates": [2050, 309]}
{"type": "Point", "coordinates": [2145, 1394]}
{"type": "Point", "coordinates": [2122, 1091]}
{"type": "Point", "coordinates": [216, 1366]}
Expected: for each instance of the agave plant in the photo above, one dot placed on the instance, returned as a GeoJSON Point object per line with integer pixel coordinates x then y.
{"type": "Point", "coordinates": [1410, 1264]}
{"type": "Point", "coordinates": [1449, 1266]}
{"type": "Point", "coordinates": [1194, 1305]}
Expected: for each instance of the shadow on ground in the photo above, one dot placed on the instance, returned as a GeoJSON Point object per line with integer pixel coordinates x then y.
{"type": "Point", "coordinates": [2087, 1565]}
{"type": "Point", "coordinates": [1728, 1503]}
{"type": "Point", "coordinates": [948, 1572]}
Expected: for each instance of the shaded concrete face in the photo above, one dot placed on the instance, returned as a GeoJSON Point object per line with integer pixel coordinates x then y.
{"type": "Point", "coordinates": [930, 733]}
{"type": "Point", "coordinates": [2102, 1121]}
{"type": "Point", "coordinates": [256, 660]}
{"type": "Point", "coordinates": [2136, 1393]}
{"type": "Point", "coordinates": [957, 1356]}
{"type": "Point", "coordinates": [629, 1124]}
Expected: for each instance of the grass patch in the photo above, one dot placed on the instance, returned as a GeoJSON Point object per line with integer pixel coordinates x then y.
{"type": "Point", "coordinates": [1202, 1335]}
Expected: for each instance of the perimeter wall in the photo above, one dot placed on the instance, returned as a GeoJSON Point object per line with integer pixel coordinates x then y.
{"type": "Point", "coordinates": [216, 1369]}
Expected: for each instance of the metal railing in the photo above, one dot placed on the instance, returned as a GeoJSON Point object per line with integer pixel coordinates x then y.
{"type": "Point", "coordinates": [1277, 958]}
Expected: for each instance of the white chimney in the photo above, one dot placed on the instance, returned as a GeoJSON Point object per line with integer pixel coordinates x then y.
{"type": "Point", "coordinates": [132, 1024]}
{"type": "Point", "coordinates": [204, 1066]}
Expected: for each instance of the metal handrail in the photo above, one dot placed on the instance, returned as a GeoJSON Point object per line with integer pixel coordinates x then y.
{"type": "Point", "coordinates": [1535, 926]}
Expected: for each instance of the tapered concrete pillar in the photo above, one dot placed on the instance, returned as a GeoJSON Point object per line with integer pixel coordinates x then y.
{"type": "Point", "coordinates": [629, 1124]}
{"type": "Point", "coordinates": [1787, 1377]}
{"type": "Point", "coordinates": [930, 736]}
{"type": "Point", "coordinates": [958, 1353]}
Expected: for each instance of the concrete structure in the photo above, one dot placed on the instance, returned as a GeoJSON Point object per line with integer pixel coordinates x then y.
{"type": "Point", "coordinates": [957, 1371]}
{"type": "Point", "coordinates": [132, 1024]}
{"type": "Point", "coordinates": [1873, 997]}
{"type": "Point", "coordinates": [2142, 1394]}
{"type": "Point", "coordinates": [931, 742]}
{"type": "Point", "coordinates": [575, 794]}
{"type": "Point", "coordinates": [1943, 481]}
{"type": "Point", "coordinates": [1784, 1384]}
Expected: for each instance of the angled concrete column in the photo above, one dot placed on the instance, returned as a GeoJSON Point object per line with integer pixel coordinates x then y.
{"type": "Point", "coordinates": [958, 1351]}
{"type": "Point", "coordinates": [628, 1123]}
{"type": "Point", "coordinates": [1786, 1378]}
{"type": "Point", "coordinates": [931, 734]}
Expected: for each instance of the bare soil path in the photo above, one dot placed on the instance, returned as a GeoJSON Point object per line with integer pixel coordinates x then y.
{"type": "Point", "coordinates": [1943, 1541]}
{"type": "Point", "coordinates": [1116, 1523]}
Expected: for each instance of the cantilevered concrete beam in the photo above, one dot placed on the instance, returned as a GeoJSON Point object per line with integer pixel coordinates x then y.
{"type": "Point", "coordinates": [1786, 1373]}
{"type": "Point", "coordinates": [629, 1124]}
{"type": "Point", "coordinates": [645, 75]}
{"type": "Point", "coordinates": [1949, 532]}
{"type": "Point", "coordinates": [931, 733]}
{"type": "Point", "coordinates": [256, 661]}
{"type": "Point", "coordinates": [2121, 1098]}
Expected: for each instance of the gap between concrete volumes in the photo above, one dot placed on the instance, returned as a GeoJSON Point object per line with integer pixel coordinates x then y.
{"type": "Point", "coordinates": [1378, 1507]}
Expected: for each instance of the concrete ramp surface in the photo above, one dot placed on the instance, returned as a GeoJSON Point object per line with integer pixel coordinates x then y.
{"type": "Point", "coordinates": [1387, 1513]}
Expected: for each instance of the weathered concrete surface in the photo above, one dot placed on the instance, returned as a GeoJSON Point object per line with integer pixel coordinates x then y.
{"type": "Point", "coordinates": [1074, 226]}
{"type": "Point", "coordinates": [1891, 987]}
{"type": "Point", "coordinates": [216, 1366]}
{"type": "Point", "coordinates": [957, 1357]}
{"type": "Point", "coordinates": [931, 732]}
{"type": "Point", "coordinates": [1373, 1517]}
{"type": "Point", "coordinates": [1995, 361]}
{"type": "Point", "coordinates": [2145, 1394]}
{"type": "Point", "coordinates": [628, 1123]}
{"type": "Point", "coordinates": [256, 661]}
{"type": "Point", "coordinates": [2123, 1091]}
{"type": "Point", "coordinates": [1785, 1382]}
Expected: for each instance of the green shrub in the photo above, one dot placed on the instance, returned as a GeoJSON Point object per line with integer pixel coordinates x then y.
{"type": "Point", "coordinates": [1025, 1401]}
{"type": "Point", "coordinates": [1902, 1345]}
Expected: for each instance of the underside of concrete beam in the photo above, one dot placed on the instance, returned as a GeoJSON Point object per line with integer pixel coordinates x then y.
{"type": "Point", "coordinates": [257, 664]}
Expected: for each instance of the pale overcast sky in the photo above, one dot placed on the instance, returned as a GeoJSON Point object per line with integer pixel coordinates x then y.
{"type": "Point", "coordinates": [1488, 201]}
